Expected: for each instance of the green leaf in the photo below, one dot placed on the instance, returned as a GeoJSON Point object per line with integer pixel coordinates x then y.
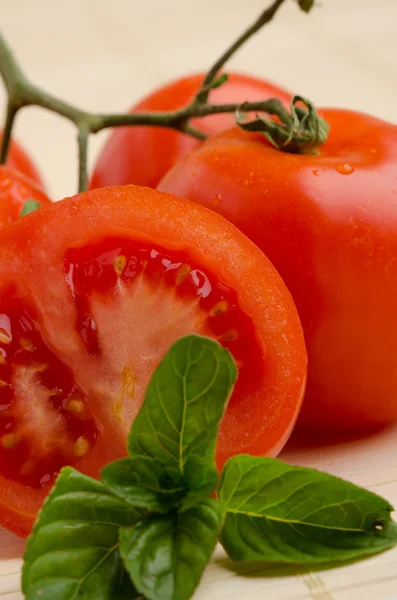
{"type": "Point", "coordinates": [73, 550]}
{"type": "Point", "coordinates": [166, 554]}
{"type": "Point", "coordinates": [144, 483]}
{"type": "Point", "coordinates": [184, 403]}
{"type": "Point", "coordinates": [281, 513]}
{"type": "Point", "coordinates": [150, 485]}
{"type": "Point", "coordinates": [200, 479]}
{"type": "Point", "coordinates": [29, 207]}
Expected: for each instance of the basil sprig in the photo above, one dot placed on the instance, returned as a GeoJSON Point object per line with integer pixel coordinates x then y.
{"type": "Point", "coordinates": [150, 526]}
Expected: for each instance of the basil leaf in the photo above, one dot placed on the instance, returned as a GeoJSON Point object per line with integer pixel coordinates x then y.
{"type": "Point", "coordinates": [147, 484]}
{"type": "Point", "coordinates": [184, 403]}
{"type": "Point", "coordinates": [73, 550]}
{"type": "Point", "coordinates": [144, 483]}
{"type": "Point", "coordinates": [166, 554]}
{"type": "Point", "coordinates": [201, 479]}
{"type": "Point", "coordinates": [29, 207]}
{"type": "Point", "coordinates": [280, 513]}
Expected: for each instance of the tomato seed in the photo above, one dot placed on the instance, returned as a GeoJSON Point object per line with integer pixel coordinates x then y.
{"type": "Point", "coordinates": [75, 407]}
{"type": "Point", "coordinates": [81, 446]}
{"type": "Point", "coordinates": [27, 344]}
{"type": "Point", "coordinates": [219, 308]}
{"type": "Point", "coordinates": [230, 335]}
{"type": "Point", "coordinates": [28, 467]}
{"type": "Point", "coordinates": [119, 264]}
{"type": "Point", "coordinates": [181, 274]}
{"type": "Point", "coordinates": [5, 337]}
{"type": "Point", "coordinates": [9, 441]}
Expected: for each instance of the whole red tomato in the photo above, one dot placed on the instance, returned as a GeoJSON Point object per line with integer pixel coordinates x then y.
{"type": "Point", "coordinates": [142, 155]}
{"type": "Point", "coordinates": [93, 292]}
{"type": "Point", "coordinates": [329, 225]}
{"type": "Point", "coordinates": [19, 160]}
{"type": "Point", "coordinates": [15, 190]}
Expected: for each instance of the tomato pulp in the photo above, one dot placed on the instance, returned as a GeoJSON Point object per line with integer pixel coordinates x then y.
{"type": "Point", "coordinates": [94, 290]}
{"type": "Point", "coordinates": [329, 225]}
{"type": "Point", "coordinates": [142, 155]}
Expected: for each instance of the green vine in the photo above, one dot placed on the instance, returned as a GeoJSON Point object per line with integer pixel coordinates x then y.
{"type": "Point", "coordinates": [22, 93]}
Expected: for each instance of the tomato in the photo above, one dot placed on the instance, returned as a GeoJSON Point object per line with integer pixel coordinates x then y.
{"type": "Point", "coordinates": [94, 290]}
{"type": "Point", "coordinates": [142, 155]}
{"type": "Point", "coordinates": [19, 160]}
{"type": "Point", "coordinates": [328, 223]}
{"type": "Point", "coordinates": [15, 190]}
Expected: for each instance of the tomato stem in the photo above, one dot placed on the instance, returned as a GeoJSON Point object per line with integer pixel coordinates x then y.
{"type": "Point", "coordinates": [265, 17]}
{"type": "Point", "coordinates": [9, 122]}
{"type": "Point", "coordinates": [82, 141]}
{"type": "Point", "coordinates": [22, 93]}
{"type": "Point", "coordinates": [300, 132]}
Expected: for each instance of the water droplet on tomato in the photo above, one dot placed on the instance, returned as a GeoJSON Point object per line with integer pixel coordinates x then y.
{"type": "Point", "coordinates": [217, 200]}
{"type": "Point", "coordinates": [319, 172]}
{"type": "Point", "coordinates": [344, 169]}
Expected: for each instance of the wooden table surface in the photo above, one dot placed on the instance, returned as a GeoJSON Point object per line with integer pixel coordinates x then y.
{"type": "Point", "coordinates": [104, 55]}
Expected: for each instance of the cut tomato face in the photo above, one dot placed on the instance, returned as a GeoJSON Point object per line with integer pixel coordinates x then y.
{"type": "Point", "coordinates": [94, 291]}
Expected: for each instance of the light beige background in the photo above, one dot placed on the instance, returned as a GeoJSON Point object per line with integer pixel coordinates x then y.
{"type": "Point", "coordinates": [104, 55]}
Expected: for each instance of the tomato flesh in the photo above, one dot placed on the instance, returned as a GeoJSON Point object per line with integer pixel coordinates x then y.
{"type": "Point", "coordinates": [44, 419]}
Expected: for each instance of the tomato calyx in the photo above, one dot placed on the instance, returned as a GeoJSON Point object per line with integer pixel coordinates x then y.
{"type": "Point", "coordinates": [298, 132]}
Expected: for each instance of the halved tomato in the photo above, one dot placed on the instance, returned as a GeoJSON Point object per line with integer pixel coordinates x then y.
{"type": "Point", "coordinates": [94, 290]}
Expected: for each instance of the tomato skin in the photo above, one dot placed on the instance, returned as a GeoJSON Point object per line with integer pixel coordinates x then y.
{"type": "Point", "coordinates": [15, 189]}
{"type": "Point", "coordinates": [143, 155]}
{"type": "Point", "coordinates": [35, 248]}
{"type": "Point", "coordinates": [18, 159]}
{"type": "Point", "coordinates": [328, 223]}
